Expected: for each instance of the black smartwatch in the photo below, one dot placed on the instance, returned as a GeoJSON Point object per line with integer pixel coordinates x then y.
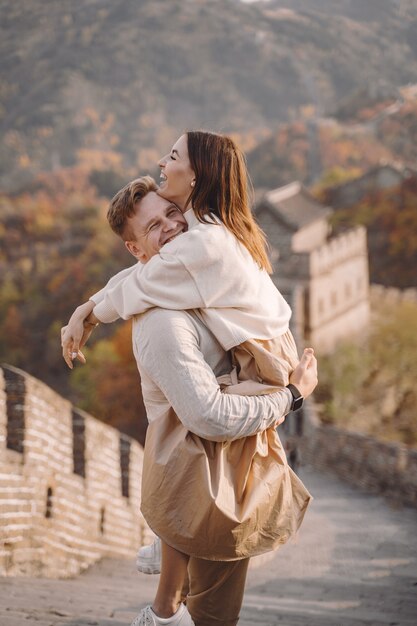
{"type": "Point", "coordinates": [297, 398]}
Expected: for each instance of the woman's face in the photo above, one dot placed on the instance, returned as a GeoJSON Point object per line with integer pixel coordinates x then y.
{"type": "Point", "coordinates": [177, 178]}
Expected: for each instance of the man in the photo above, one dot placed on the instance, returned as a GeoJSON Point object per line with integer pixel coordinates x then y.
{"type": "Point", "coordinates": [170, 363]}
{"type": "Point", "coordinates": [178, 359]}
{"type": "Point", "coordinates": [144, 232]}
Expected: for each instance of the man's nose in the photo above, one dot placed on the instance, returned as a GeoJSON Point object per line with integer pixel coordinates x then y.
{"type": "Point", "coordinates": [169, 224]}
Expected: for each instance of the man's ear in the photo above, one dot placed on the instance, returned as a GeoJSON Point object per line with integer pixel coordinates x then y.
{"type": "Point", "coordinates": [136, 251]}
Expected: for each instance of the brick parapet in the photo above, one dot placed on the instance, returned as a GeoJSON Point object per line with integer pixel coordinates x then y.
{"type": "Point", "coordinates": [338, 250]}
{"type": "Point", "coordinates": [53, 521]}
{"type": "Point", "coordinates": [392, 295]}
{"type": "Point", "coordinates": [376, 466]}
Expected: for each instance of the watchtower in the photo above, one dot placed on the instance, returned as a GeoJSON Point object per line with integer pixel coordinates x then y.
{"type": "Point", "coordinates": [324, 276]}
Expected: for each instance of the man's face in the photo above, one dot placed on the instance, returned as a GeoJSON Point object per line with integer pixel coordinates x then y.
{"type": "Point", "coordinates": [156, 222]}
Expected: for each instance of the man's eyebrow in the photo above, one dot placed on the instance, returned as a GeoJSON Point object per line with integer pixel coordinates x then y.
{"type": "Point", "coordinates": [149, 222]}
{"type": "Point", "coordinates": [156, 217]}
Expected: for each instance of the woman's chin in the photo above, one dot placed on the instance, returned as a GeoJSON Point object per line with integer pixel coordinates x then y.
{"type": "Point", "coordinates": [162, 190]}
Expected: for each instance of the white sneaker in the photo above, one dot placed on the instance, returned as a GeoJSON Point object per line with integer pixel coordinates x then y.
{"type": "Point", "coordinates": [148, 558]}
{"type": "Point", "coordinates": [148, 618]}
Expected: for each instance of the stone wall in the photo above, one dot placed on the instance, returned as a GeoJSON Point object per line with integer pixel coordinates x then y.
{"type": "Point", "coordinates": [338, 294]}
{"type": "Point", "coordinates": [386, 468]}
{"type": "Point", "coordinates": [391, 295]}
{"type": "Point", "coordinates": [332, 273]}
{"type": "Point", "coordinates": [69, 484]}
{"type": "Point", "coordinates": [389, 469]}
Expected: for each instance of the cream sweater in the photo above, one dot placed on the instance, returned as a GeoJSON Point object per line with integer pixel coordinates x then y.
{"type": "Point", "coordinates": [206, 268]}
{"type": "Point", "coordinates": [178, 369]}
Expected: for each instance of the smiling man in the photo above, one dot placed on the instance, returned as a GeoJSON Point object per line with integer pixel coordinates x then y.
{"type": "Point", "coordinates": [143, 219]}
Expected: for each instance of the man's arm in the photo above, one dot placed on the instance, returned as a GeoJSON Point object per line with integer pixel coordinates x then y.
{"type": "Point", "coordinates": [169, 352]}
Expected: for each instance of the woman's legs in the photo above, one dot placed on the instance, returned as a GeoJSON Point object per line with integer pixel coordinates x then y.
{"type": "Point", "coordinates": [173, 572]}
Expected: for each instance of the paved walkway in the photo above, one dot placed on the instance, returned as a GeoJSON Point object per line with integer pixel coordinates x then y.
{"type": "Point", "coordinates": [354, 564]}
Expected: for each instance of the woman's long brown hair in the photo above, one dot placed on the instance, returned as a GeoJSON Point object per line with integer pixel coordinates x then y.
{"type": "Point", "coordinates": [222, 187]}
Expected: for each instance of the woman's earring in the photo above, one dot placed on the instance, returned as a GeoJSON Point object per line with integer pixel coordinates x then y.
{"type": "Point", "coordinates": [192, 183]}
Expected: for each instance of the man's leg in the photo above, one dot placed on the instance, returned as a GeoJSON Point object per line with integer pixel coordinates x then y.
{"type": "Point", "coordinates": [216, 591]}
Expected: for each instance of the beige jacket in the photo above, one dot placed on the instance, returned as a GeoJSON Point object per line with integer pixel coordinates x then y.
{"type": "Point", "coordinates": [215, 483]}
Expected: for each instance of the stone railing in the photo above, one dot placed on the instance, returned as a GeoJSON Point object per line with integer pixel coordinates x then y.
{"type": "Point", "coordinates": [392, 295]}
{"type": "Point", "coordinates": [389, 469]}
{"type": "Point", "coordinates": [69, 484]}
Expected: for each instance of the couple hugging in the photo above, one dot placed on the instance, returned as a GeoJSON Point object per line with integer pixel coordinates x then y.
{"type": "Point", "coordinates": [219, 372]}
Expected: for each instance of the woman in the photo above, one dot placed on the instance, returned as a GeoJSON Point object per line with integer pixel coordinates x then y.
{"type": "Point", "coordinates": [207, 171]}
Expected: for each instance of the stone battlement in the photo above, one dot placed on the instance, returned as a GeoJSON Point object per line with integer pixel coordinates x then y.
{"type": "Point", "coordinates": [392, 295]}
{"type": "Point", "coordinates": [69, 484]}
{"type": "Point", "coordinates": [338, 250]}
{"type": "Point", "coordinates": [376, 466]}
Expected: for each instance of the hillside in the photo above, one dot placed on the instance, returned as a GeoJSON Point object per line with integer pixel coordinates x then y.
{"type": "Point", "coordinates": [55, 250]}
{"type": "Point", "coordinates": [370, 387]}
{"type": "Point", "coordinates": [368, 127]}
{"type": "Point", "coordinates": [110, 83]}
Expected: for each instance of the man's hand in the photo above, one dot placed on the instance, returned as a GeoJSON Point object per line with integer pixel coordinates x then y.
{"type": "Point", "coordinates": [76, 333]}
{"type": "Point", "coordinates": [304, 377]}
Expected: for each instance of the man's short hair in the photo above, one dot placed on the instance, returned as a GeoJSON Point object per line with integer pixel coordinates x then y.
{"type": "Point", "coordinates": [124, 205]}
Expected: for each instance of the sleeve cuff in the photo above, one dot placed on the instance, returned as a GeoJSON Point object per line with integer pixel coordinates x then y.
{"type": "Point", "coordinates": [97, 297]}
{"type": "Point", "coordinates": [289, 401]}
{"type": "Point", "coordinates": [104, 313]}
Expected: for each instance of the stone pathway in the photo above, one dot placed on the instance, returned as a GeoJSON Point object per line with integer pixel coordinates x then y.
{"type": "Point", "coordinates": [353, 564]}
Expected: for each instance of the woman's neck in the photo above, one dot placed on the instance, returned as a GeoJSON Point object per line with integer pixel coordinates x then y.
{"type": "Point", "coordinates": [184, 206]}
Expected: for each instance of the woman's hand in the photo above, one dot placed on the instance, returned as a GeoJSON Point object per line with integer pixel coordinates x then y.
{"type": "Point", "coordinates": [76, 333]}
{"type": "Point", "coordinates": [304, 377]}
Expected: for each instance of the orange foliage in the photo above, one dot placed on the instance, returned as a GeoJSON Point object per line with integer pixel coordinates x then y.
{"type": "Point", "coordinates": [56, 249]}
{"type": "Point", "coordinates": [122, 343]}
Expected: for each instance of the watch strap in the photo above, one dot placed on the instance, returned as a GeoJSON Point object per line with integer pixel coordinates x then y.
{"type": "Point", "coordinates": [297, 398]}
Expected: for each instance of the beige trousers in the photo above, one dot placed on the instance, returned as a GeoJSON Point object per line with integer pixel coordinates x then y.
{"type": "Point", "coordinates": [215, 591]}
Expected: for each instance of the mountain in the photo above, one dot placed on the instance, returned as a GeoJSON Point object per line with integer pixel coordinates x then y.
{"type": "Point", "coordinates": [109, 84]}
{"type": "Point", "coordinates": [368, 127]}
